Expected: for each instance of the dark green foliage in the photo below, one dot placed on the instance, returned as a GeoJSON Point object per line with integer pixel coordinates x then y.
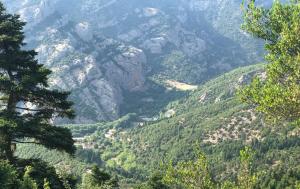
{"type": "Point", "coordinates": [40, 171]}
{"type": "Point", "coordinates": [27, 103]}
{"type": "Point", "coordinates": [10, 179]}
{"type": "Point", "coordinates": [97, 179]}
{"type": "Point", "coordinates": [154, 182]}
{"type": "Point", "coordinates": [281, 177]}
{"type": "Point", "coordinates": [8, 176]}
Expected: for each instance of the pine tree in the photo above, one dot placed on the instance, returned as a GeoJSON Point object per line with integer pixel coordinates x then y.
{"type": "Point", "coordinates": [156, 182]}
{"type": "Point", "coordinates": [97, 179]}
{"type": "Point", "coordinates": [27, 103]}
{"type": "Point", "coordinates": [277, 95]}
{"type": "Point", "coordinates": [8, 176]}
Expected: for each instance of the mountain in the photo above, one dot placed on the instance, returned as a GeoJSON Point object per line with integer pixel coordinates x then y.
{"type": "Point", "coordinates": [105, 51]}
{"type": "Point", "coordinates": [154, 81]}
{"type": "Point", "coordinates": [210, 117]}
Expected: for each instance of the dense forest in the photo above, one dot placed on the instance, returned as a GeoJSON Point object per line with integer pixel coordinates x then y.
{"type": "Point", "coordinates": [239, 130]}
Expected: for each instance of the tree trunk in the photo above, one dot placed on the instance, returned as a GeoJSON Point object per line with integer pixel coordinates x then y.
{"type": "Point", "coordinates": [6, 146]}
{"type": "Point", "coordinates": [6, 151]}
{"type": "Point", "coordinates": [12, 100]}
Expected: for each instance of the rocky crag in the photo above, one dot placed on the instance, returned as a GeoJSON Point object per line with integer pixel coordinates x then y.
{"type": "Point", "coordinates": [100, 49]}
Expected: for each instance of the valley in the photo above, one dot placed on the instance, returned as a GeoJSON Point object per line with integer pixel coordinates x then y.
{"type": "Point", "coordinates": [210, 117]}
{"type": "Point", "coordinates": [155, 82]}
{"type": "Point", "coordinates": [103, 60]}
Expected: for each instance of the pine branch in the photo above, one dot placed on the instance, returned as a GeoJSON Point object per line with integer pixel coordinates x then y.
{"type": "Point", "coordinates": [26, 142]}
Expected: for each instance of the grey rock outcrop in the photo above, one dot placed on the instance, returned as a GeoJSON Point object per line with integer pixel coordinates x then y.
{"type": "Point", "coordinates": [100, 49]}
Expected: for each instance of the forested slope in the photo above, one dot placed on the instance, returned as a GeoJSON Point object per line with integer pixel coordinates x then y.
{"type": "Point", "coordinates": [211, 117]}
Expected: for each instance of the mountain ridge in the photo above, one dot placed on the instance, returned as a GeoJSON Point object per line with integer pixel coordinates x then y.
{"type": "Point", "coordinates": [170, 40]}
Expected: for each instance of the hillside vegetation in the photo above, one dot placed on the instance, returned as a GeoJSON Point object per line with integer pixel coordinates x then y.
{"type": "Point", "coordinates": [211, 117]}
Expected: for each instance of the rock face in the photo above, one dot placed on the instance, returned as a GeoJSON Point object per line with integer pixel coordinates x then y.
{"type": "Point", "coordinates": [84, 31]}
{"type": "Point", "coordinates": [100, 49]}
{"type": "Point", "coordinates": [97, 73]}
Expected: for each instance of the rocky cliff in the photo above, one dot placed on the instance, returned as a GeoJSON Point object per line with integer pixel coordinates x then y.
{"type": "Point", "coordinates": [100, 49]}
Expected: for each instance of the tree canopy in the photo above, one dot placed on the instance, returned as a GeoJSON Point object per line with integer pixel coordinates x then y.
{"type": "Point", "coordinates": [277, 94]}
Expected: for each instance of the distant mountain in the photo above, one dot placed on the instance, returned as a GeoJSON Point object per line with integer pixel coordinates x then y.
{"type": "Point", "coordinates": [102, 49]}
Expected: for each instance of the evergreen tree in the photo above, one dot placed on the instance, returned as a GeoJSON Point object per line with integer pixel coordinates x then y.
{"type": "Point", "coordinates": [98, 176]}
{"type": "Point", "coordinates": [8, 176]}
{"type": "Point", "coordinates": [154, 182]}
{"type": "Point", "coordinates": [27, 103]}
{"type": "Point", "coordinates": [39, 171]}
{"type": "Point", "coordinates": [98, 179]}
{"type": "Point", "coordinates": [278, 94]}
